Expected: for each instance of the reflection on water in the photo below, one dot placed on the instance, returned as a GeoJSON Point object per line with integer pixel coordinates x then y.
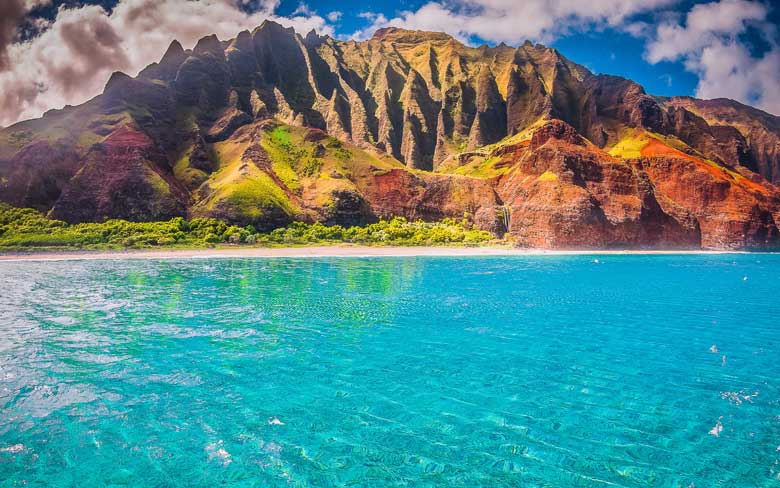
{"type": "Point", "coordinates": [540, 371]}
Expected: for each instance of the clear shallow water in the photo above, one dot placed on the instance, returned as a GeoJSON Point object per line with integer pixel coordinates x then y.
{"type": "Point", "coordinates": [538, 371]}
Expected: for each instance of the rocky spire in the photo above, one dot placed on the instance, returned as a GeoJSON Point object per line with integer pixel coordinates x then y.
{"type": "Point", "coordinates": [174, 54]}
{"type": "Point", "coordinates": [209, 45]}
{"type": "Point", "coordinates": [418, 139]}
{"type": "Point", "coordinates": [490, 120]}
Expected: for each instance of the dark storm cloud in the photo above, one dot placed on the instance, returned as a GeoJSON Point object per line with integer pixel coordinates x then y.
{"type": "Point", "coordinates": [93, 46]}
{"type": "Point", "coordinates": [11, 14]}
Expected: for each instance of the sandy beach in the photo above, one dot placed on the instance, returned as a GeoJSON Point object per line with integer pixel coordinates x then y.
{"type": "Point", "coordinates": [322, 251]}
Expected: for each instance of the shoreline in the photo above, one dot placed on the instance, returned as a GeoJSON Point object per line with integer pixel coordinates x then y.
{"type": "Point", "coordinates": [340, 250]}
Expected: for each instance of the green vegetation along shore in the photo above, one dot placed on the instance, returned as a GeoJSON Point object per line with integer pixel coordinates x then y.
{"type": "Point", "coordinates": [26, 229]}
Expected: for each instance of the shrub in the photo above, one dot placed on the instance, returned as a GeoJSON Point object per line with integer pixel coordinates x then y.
{"type": "Point", "coordinates": [24, 228]}
{"type": "Point", "coordinates": [213, 238]}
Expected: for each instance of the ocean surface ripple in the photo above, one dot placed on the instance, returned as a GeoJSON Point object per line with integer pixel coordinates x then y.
{"type": "Point", "coordinates": [544, 371]}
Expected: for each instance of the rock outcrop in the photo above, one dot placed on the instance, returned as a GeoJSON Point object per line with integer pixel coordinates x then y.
{"type": "Point", "coordinates": [755, 134]}
{"type": "Point", "coordinates": [561, 190]}
{"type": "Point", "coordinates": [122, 177]}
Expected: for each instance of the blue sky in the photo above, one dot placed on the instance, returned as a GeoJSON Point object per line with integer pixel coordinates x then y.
{"type": "Point", "coordinates": [57, 52]}
{"type": "Point", "coordinates": [621, 54]}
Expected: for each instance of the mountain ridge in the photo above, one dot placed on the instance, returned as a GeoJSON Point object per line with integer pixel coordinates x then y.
{"type": "Point", "coordinates": [272, 126]}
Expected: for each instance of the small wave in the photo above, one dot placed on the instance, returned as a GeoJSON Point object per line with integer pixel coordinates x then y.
{"type": "Point", "coordinates": [174, 379]}
{"type": "Point", "coordinates": [271, 447]}
{"type": "Point", "coordinates": [715, 431]}
{"type": "Point", "coordinates": [63, 320]}
{"type": "Point", "coordinates": [478, 330]}
{"type": "Point", "coordinates": [219, 453]}
{"type": "Point", "coordinates": [13, 449]}
{"type": "Point", "coordinates": [738, 397]}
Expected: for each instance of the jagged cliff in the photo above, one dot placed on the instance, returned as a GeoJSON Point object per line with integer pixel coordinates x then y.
{"type": "Point", "coordinates": [271, 127]}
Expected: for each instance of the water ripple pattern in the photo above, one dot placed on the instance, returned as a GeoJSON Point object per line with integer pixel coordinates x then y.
{"type": "Point", "coordinates": [550, 371]}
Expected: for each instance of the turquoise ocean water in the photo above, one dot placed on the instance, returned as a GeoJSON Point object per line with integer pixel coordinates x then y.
{"type": "Point", "coordinates": [556, 371]}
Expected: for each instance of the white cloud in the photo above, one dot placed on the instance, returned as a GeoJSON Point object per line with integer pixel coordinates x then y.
{"type": "Point", "coordinates": [704, 24]}
{"type": "Point", "coordinates": [709, 45]}
{"type": "Point", "coordinates": [514, 21]}
{"type": "Point", "coordinates": [71, 60]}
{"type": "Point", "coordinates": [726, 69]}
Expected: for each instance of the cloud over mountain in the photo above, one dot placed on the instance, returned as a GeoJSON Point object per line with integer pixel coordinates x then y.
{"type": "Point", "coordinates": [11, 14]}
{"type": "Point", "coordinates": [710, 42]}
{"type": "Point", "coordinates": [70, 61]}
{"type": "Point", "coordinates": [513, 22]}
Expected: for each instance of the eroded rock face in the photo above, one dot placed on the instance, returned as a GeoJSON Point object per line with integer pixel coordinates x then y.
{"type": "Point", "coordinates": [518, 139]}
{"type": "Point", "coordinates": [227, 123]}
{"type": "Point", "coordinates": [169, 64]}
{"type": "Point", "coordinates": [730, 214]}
{"type": "Point", "coordinates": [760, 130]}
{"type": "Point", "coordinates": [556, 129]}
{"type": "Point", "coordinates": [123, 177]}
{"type": "Point", "coordinates": [563, 193]}
{"type": "Point", "coordinates": [36, 176]}
{"type": "Point", "coordinates": [203, 79]}
{"type": "Point", "coordinates": [492, 219]}
{"type": "Point", "coordinates": [348, 208]}
{"type": "Point", "coordinates": [427, 196]}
